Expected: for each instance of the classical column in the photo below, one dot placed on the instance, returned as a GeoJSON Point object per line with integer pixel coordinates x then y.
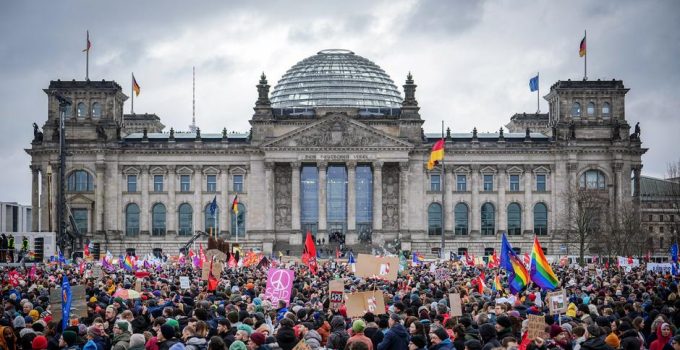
{"type": "Point", "coordinates": [172, 201]}
{"type": "Point", "coordinates": [501, 207]}
{"type": "Point", "coordinates": [35, 200]}
{"type": "Point", "coordinates": [448, 199]}
{"type": "Point", "coordinates": [113, 206]}
{"type": "Point", "coordinates": [295, 196]}
{"type": "Point", "coordinates": [46, 209]}
{"type": "Point", "coordinates": [377, 195]}
{"type": "Point", "coordinates": [475, 213]}
{"type": "Point", "coordinates": [99, 191]}
{"type": "Point", "coordinates": [618, 186]}
{"type": "Point", "coordinates": [403, 196]}
{"type": "Point", "coordinates": [198, 205]}
{"type": "Point", "coordinates": [145, 212]}
{"type": "Point", "coordinates": [351, 195]}
{"type": "Point", "coordinates": [223, 201]}
{"type": "Point", "coordinates": [269, 195]}
{"type": "Point", "coordinates": [528, 207]}
{"type": "Point", "coordinates": [322, 194]}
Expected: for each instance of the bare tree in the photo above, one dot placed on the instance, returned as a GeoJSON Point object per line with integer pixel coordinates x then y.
{"type": "Point", "coordinates": [584, 218]}
{"type": "Point", "coordinates": [673, 196]}
{"type": "Point", "coordinates": [622, 234]}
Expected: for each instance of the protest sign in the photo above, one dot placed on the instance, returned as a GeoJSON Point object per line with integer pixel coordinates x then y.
{"type": "Point", "coordinates": [369, 266]}
{"type": "Point", "coordinates": [660, 267]}
{"type": "Point", "coordinates": [536, 327]}
{"type": "Point", "coordinates": [302, 345]}
{"type": "Point", "coordinates": [78, 303]}
{"type": "Point", "coordinates": [138, 285]}
{"type": "Point", "coordinates": [557, 302]}
{"type": "Point", "coordinates": [184, 282]}
{"type": "Point", "coordinates": [456, 305]}
{"type": "Point", "coordinates": [96, 271]}
{"type": "Point", "coordinates": [218, 254]}
{"type": "Point", "coordinates": [627, 263]}
{"type": "Point", "coordinates": [360, 303]}
{"type": "Point", "coordinates": [217, 267]}
{"type": "Point", "coordinates": [279, 285]}
{"type": "Point", "coordinates": [335, 291]}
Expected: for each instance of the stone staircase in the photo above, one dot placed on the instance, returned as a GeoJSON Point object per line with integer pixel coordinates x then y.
{"type": "Point", "coordinates": [325, 250]}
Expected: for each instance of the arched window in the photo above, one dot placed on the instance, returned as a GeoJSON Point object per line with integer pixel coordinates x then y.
{"type": "Point", "coordinates": [576, 109]}
{"type": "Point", "coordinates": [82, 110]}
{"type": "Point", "coordinates": [241, 221]}
{"type": "Point", "coordinates": [132, 220]}
{"type": "Point", "coordinates": [158, 219]}
{"type": "Point", "coordinates": [67, 110]}
{"type": "Point", "coordinates": [80, 181]}
{"type": "Point", "coordinates": [540, 219]}
{"type": "Point", "coordinates": [606, 110]}
{"type": "Point", "coordinates": [590, 109]}
{"type": "Point", "coordinates": [96, 110]}
{"type": "Point", "coordinates": [593, 180]}
{"type": "Point", "coordinates": [185, 215]}
{"type": "Point", "coordinates": [212, 222]}
{"type": "Point", "coordinates": [514, 219]}
{"type": "Point", "coordinates": [434, 219]}
{"type": "Point", "coordinates": [461, 218]}
{"type": "Point", "coordinates": [488, 219]}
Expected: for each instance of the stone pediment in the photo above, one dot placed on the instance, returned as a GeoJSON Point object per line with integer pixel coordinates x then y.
{"type": "Point", "coordinates": [337, 131]}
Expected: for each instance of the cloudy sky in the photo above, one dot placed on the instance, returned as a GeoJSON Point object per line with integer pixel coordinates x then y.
{"type": "Point", "coordinates": [471, 59]}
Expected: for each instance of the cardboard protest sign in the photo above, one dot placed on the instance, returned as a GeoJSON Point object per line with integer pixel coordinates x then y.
{"type": "Point", "coordinates": [279, 285]}
{"type": "Point", "coordinates": [302, 345]}
{"type": "Point", "coordinates": [369, 266]}
{"type": "Point", "coordinates": [217, 267]}
{"type": "Point", "coordinates": [218, 254]}
{"type": "Point", "coordinates": [557, 302]}
{"type": "Point", "coordinates": [360, 303]}
{"type": "Point", "coordinates": [335, 292]}
{"type": "Point", "coordinates": [184, 282]}
{"type": "Point", "coordinates": [55, 303]}
{"type": "Point", "coordinates": [536, 327]}
{"type": "Point", "coordinates": [456, 305]}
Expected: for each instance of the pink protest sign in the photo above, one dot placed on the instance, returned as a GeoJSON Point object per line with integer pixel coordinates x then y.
{"type": "Point", "coordinates": [279, 285]}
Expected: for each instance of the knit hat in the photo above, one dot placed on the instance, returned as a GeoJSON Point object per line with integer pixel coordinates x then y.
{"type": "Point", "coordinates": [613, 340]}
{"type": "Point", "coordinates": [118, 300]}
{"type": "Point", "coordinates": [70, 337]}
{"type": "Point", "coordinates": [418, 341]}
{"type": "Point", "coordinates": [19, 322]}
{"type": "Point", "coordinates": [35, 315]}
{"type": "Point", "coordinates": [39, 343]}
{"type": "Point", "coordinates": [258, 338]}
{"type": "Point", "coordinates": [504, 321]}
{"type": "Point", "coordinates": [94, 331]}
{"type": "Point", "coordinates": [441, 334]}
{"type": "Point", "coordinates": [238, 345]}
{"type": "Point", "coordinates": [168, 331]}
{"type": "Point", "coordinates": [123, 326]}
{"type": "Point", "coordinates": [555, 330]}
{"type": "Point", "coordinates": [137, 340]}
{"type": "Point", "coordinates": [358, 326]}
{"type": "Point", "coordinates": [245, 327]}
{"type": "Point", "coordinates": [172, 323]}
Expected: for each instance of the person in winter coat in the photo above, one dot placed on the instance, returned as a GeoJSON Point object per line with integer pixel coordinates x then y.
{"type": "Point", "coordinates": [396, 337]}
{"type": "Point", "coordinates": [226, 332]}
{"type": "Point", "coordinates": [489, 338]}
{"type": "Point", "coordinates": [192, 341]}
{"type": "Point", "coordinates": [358, 328]}
{"type": "Point", "coordinates": [373, 332]}
{"type": "Point", "coordinates": [69, 341]}
{"type": "Point", "coordinates": [440, 340]}
{"type": "Point", "coordinates": [339, 336]}
{"type": "Point", "coordinates": [121, 336]}
{"type": "Point", "coordinates": [663, 338]}
{"type": "Point", "coordinates": [417, 342]}
{"type": "Point", "coordinates": [137, 342]}
{"type": "Point", "coordinates": [504, 327]}
{"type": "Point", "coordinates": [285, 336]}
{"type": "Point", "coordinates": [324, 331]}
{"type": "Point", "coordinates": [8, 340]}
{"type": "Point", "coordinates": [311, 337]}
{"type": "Point", "coordinates": [594, 340]}
{"type": "Point", "coordinates": [629, 337]}
{"type": "Point", "coordinates": [166, 338]}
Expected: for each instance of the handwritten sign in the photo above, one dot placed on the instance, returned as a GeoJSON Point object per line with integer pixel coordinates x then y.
{"type": "Point", "coordinates": [360, 303]}
{"type": "Point", "coordinates": [218, 254]}
{"type": "Point", "coordinates": [456, 305]}
{"type": "Point", "coordinates": [184, 282]}
{"type": "Point", "coordinates": [536, 327]}
{"type": "Point", "coordinates": [279, 285]}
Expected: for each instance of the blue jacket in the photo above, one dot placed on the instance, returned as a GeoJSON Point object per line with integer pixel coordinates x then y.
{"type": "Point", "coordinates": [444, 345]}
{"type": "Point", "coordinates": [396, 338]}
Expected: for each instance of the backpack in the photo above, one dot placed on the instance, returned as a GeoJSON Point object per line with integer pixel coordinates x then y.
{"type": "Point", "coordinates": [338, 340]}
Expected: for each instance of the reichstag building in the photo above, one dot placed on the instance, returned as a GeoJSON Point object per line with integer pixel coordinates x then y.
{"type": "Point", "coordinates": [336, 149]}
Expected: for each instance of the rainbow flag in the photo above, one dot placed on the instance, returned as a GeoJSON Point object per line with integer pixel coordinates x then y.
{"type": "Point", "coordinates": [518, 278]}
{"type": "Point", "coordinates": [541, 273]}
{"type": "Point", "coordinates": [497, 286]}
{"type": "Point", "coordinates": [128, 264]}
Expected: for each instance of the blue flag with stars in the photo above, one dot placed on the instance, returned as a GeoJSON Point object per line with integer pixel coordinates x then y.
{"type": "Point", "coordinates": [533, 83]}
{"type": "Point", "coordinates": [213, 206]}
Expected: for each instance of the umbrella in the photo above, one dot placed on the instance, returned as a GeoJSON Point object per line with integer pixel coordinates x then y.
{"type": "Point", "coordinates": [127, 294]}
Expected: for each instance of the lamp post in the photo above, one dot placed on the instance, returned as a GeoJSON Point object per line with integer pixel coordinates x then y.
{"type": "Point", "coordinates": [61, 201]}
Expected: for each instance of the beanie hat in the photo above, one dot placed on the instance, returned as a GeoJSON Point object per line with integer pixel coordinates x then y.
{"type": "Point", "coordinates": [358, 326]}
{"type": "Point", "coordinates": [137, 340]}
{"type": "Point", "coordinates": [70, 337]}
{"type": "Point", "coordinates": [35, 315]}
{"type": "Point", "coordinates": [19, 322]}
{"type": "Point", "coordinates": [39, 343]}
{"type": "Point", "coordinates": [94, 331]}
{"type": "Point", "coordinates": [245, 327]}
{"type": "Point", "coordinates": [238, 345]}
{"type": "Point", "coordinates": [418, 341]}
{"type": "Point", "coordinates": [123, 326]}
{"type": "Point", "coordinates": [555, 330]}
{"type": "Point", "coordinates": [258, 338]}
{"type": "Point", "coordinates": [441, 334]}
{"type": "Point", "coordinates": [613, 340]}
{"type": "Point", "coordinates": [504, 321]}
{"type": "Point", "coordinates": [168, 331]}
{"type": "Point", "coordinates": [172, 323]}
{"type": "Point", "coordinates": [118, 300]}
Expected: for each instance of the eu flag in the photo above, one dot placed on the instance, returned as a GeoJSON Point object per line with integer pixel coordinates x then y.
{"type": "Point", "coordinates": [533, 83]}
{"type": "Point", "coordinates": [213, 206]}
{"type": "Point", "coordinates": [65, 302]}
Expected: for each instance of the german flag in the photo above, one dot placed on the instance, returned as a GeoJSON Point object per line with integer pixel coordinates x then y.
{"type": "Point", "coordinates": [234, 205]}
{"type": "Point", "coordinates": [436, 155]}
{"type": "Point", "coordinates": [582, 47]}
{"type": "Point", "coordinates": [135, 86]}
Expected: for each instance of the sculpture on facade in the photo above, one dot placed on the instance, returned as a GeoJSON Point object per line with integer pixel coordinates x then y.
{"type": "Point", "coordinates": [101, 133]}
{"type": "Point", "coordinates": [37, 134]}
{"type": "Point", "coordinates": [636, 135]}
{"type": "Point", "coordinates": [572, 131]}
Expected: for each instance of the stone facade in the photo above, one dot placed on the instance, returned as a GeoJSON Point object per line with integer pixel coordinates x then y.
{"type": "Point", "coordinates": [264, 169]}
{"type": "Point", "coordinates": [660, 213]}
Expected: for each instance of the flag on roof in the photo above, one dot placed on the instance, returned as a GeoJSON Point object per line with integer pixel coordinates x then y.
{"type": "Point", "coordinates": [436, 155]}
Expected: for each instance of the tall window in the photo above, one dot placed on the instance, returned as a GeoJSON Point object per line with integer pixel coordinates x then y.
{"type": "Point", "coordinates": [435, 182]}
{"type": "Point", "coordinates": [514, 219]}
{"type": "Point", "coordinates": [158, 183]}
{"type": "Point", "coordinates": [364, 200]}
{"type": "Point", "coordinates": [606, 110]}
{"type": "Point", "coordinates": [185, 215]}
{"type": "Point", "coordinates": [80, 217]}
{"type": "Point", "coordinates": [132, 183]}
{"type": "Point", "coordinates": [237, 183]}
{"type": "Point", "coordinates": [461, 183]}
{"type": "Point", "coordinates": [96, 110]}
{"type": "Point", "coordinates": [576, 109]}
{"type": "Point", "coordinates": [82, 110]}
{"type": "Point", "coordinates": [336, 198]}
{"type": "Point", "coordinates": [488, 182]}
{"type": "Point", "coordinates": [461, 218]}
{"type": "Point", "coordinates": [158, 219]}
{"type": "Point", "coordinates": [488, 251]}
{"type": "Point", "coordinates": [309, 198]}
{"type": "Point", "coordinates": [540, 219]}
{"type": "Point", "coordinates": [540, 183]}
{"type": "Point", "coordinates": [80, 181]}
{"type": "Point", "coordinates": [514, 183]}
{"type": "Point", "coordinates": [462, 251]}
{"type": "Point", "coordinates": [590, 109]}
{"type": "Point", "coordinates": [185, 183]}
{"type": "Point", "coordinates": [488, 219]}
{"type": "Point", "coordinates": [132, 220]}
{"type": "Point", "coordinates": [434, 219]}
{"type": "Point", "coordinates": [211, 183]}
{"type": "Point", "coordinates": [592, 180]}
{"type": "Point", "coordinates": [212, 222]}
{"type": "Point", "coordinates": [517, 251]}
{"type": "Point", "coordinates": [241, 219]}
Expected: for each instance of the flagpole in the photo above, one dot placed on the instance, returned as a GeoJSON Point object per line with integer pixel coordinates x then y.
{"type": "Point", "coordinates": [538, 94]}
{"type": "Point", "coordinates": [87, 57]}
{"type": "Point", "coordinates": [443, 182]}
{"type": "Point", "coordinates": [585, 57]}
{"type": "Point", "coordinates": [132, 93]}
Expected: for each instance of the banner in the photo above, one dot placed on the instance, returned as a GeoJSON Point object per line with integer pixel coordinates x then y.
{"type": "Point", "coordinates": [369, 266]}
{"type": "Point", "coordinates": [660, 267]}
{"type": "Point", "coordinates": [336, 289]}
{"type": "Point", "coordinates": [627, 263]}
{"type": "Point", "coordinates": [360, 303]}
{"type": "Point", "coordinates": [279, 286]}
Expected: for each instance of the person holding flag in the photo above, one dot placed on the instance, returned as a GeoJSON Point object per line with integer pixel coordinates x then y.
{"type": "Point", "coordinates": [66, 298]}
{"type": "Point", "coordinates": [309, 254]}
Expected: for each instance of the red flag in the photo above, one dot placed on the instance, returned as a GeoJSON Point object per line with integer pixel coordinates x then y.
{"type": "Point", "coordinates": [525, 341]}
{"type": "Point", "coordinates": [212, 281]}
{"type": "Point", "coordinates": [86, 249]}
{"type": "Point", "coordinates": [337, 253]}
{"type": "Point", "coordinates": [310, 253]}
{"type": "Point", "coordinates": [88, 44]}
{"type": "Point", "coordinates": [142, 274]}
{"type": "Point", "coordinates": [630, 260]}
{"type": "Point", "coordinates": [606, 264]}
{"type": "Point", "coordinates": [480, 283]}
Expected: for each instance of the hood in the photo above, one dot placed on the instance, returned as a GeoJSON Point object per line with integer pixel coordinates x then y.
{"type": "Point", "coordinates": [312, 334]}
{"type": "Point", "coordinates": [196, 341]}
{"type": "Point", "coordinates": [399, 330]}
{"type": "Point", "coordinates": [595, 344]}
{"type": "Point", "coordinates": [337, 323]}
{"type": "Point", "coordinates": [664, 340]}
{"type": "Point", "coordinates": [487, 332]}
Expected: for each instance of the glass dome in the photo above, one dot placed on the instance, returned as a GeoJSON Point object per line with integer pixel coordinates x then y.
{"type": "Point", "coordinates": [336, 78]}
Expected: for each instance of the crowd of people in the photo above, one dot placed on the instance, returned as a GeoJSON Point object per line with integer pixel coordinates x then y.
{"type": "Point", "coordinates": [607, 309]}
